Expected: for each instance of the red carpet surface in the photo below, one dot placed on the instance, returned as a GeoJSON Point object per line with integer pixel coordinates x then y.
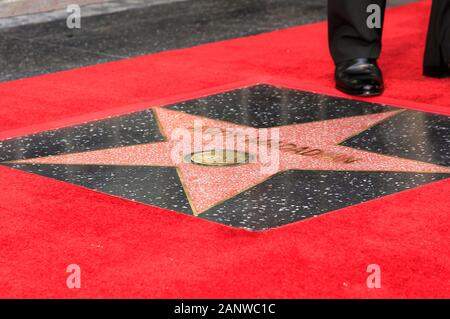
{"type": "Point", "coordinates": [126, 249]}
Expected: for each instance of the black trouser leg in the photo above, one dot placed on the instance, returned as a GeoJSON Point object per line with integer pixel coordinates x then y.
{"type": "Point", "coordinates": [437, 52]}
{"type": "Point", "coordinates": [348, 33]}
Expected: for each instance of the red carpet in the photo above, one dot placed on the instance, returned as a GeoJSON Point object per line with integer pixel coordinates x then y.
{"type": "Point", "coordinates": [131, 250]}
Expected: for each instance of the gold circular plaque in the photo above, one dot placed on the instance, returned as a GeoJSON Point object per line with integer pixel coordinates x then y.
{"type": "Point", "coordinates": [218, 158]}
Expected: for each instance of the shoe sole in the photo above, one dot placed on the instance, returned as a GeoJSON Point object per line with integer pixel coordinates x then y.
{"type": "Point", "coordinates": [360, 93]}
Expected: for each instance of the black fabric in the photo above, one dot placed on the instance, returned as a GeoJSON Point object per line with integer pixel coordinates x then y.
{"type": "Point", "coordinates": [351, 38]}
{"type": "Point", "coordinates": [349, 35]}
{"type": "Point", "coordinates": [437, 52]}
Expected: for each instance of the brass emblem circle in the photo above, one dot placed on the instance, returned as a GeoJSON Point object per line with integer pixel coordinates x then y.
{"type": "Point", "coordinates": [218, 158]}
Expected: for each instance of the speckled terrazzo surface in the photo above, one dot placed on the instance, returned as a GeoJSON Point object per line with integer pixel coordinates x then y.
{"type": "Point", "coordinates": [127, 28]}
{"type": "Point", "coordinates": [333, 153]}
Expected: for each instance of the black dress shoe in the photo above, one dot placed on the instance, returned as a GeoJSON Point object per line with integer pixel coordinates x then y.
{"type": "Point", "coordinates": [361, 77]}
{"type": "Point", "coordinates": [437, 71]}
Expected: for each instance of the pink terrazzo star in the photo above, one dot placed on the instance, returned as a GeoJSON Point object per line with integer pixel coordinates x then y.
{"type": "Point", "coordinates": [309, 146]}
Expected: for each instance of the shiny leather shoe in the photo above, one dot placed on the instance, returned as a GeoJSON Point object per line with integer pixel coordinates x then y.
{"type": "Point", "coordinates": [361, 77]}
{"type": "Point", "coordinates": [437, 72]}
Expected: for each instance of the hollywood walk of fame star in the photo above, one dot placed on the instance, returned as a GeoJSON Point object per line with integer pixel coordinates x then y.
{"type": "Point", "coordinates": [207, 186]}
